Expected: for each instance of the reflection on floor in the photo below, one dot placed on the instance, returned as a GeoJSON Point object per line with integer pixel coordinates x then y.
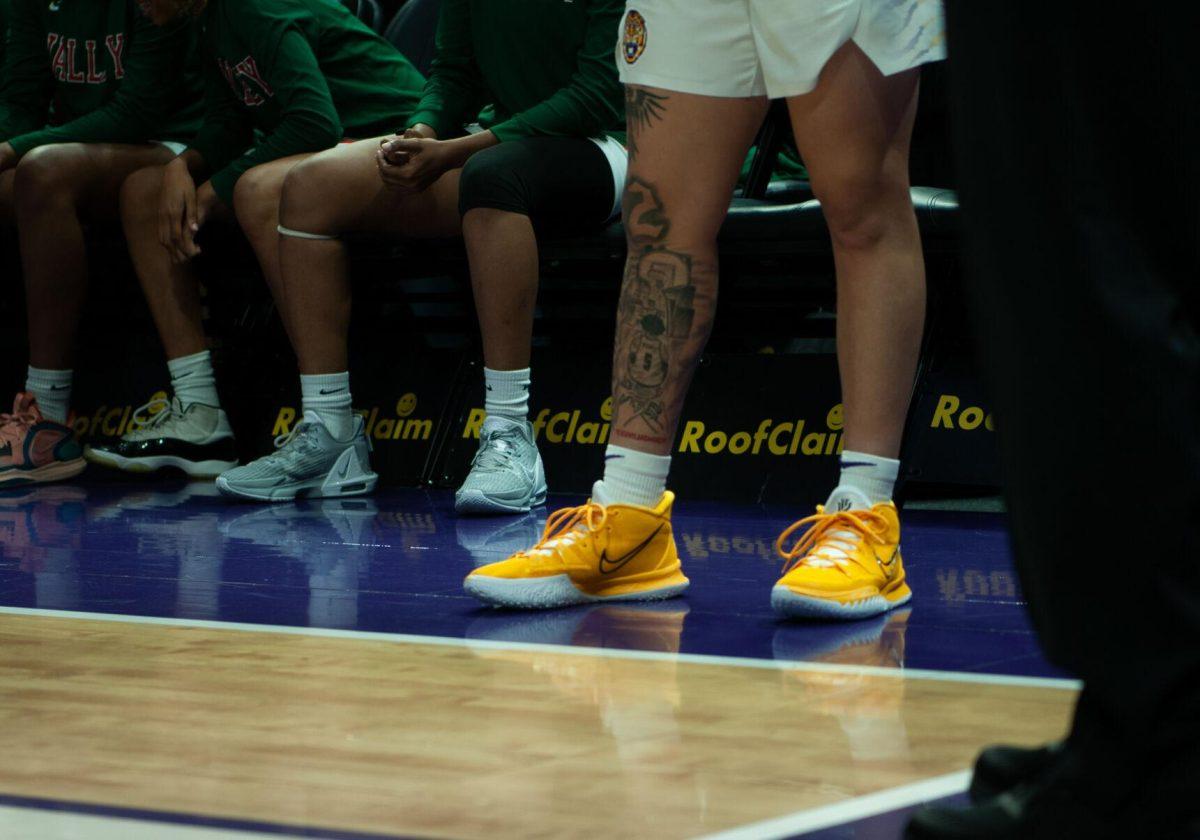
{"type": "Point", "coordinates": [221, 707]}
{"type": "Point", "coordinates": [395, 562]}
{"type": "Point", "coordinates": [474, 740]}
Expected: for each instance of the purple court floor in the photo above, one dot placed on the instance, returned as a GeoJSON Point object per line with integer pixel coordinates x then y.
{"type": "Point", "coordinates": [393, 563]}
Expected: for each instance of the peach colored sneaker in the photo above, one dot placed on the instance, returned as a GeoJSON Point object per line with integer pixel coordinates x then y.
{"type": "Point", "coordinates": [34, 449]}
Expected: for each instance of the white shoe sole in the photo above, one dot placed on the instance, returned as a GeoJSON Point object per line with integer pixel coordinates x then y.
{"type": "Point", "coordinates": [329, 486]}
{"type": "Point", "coordinates": [195, 469]}
{"type": "Point", "coordinates": [45, 474]}
{"type": "Point", "coordinates": [479, 503]}
{"type": "Point", "coordinates": [552, 592]}
{"type": "Point", "coordinates": [788, 604]}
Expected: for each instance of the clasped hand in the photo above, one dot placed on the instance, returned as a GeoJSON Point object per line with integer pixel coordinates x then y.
{"type": "Point", "coordinates": [182, 211]}
{"type": "Point", "coordinates": [410, 162]}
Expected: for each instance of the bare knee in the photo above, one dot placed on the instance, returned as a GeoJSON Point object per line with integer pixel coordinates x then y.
{"type": "Point", "coordinates": [48, 177]}
{"type": "Point", "coordinates": [861, 211]}
{"type": "Point", "coordinates": [139, 196]}
{"type": "Point", "coordinates": [314, 199]}
{"type": "Point", "coordinates": [256, 204]}
{"type": "Point", "coordinates": [650, 224]}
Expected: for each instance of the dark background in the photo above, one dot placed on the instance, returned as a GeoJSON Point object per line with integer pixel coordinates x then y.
{"type": "Point", "coordinates": [770, 358]}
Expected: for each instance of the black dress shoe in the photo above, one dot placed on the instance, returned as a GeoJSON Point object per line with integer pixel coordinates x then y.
{"type": "Point", "coordinates": [1028, 811]}
{"type": "Point", "coordinates": [1002, 768]}
{"type": "Point", "coordinates": [1065, 803]}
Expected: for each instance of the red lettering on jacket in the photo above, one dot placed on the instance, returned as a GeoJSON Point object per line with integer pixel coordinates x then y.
{"type": "Point", "coordinates": [73, 75]}
{"type": "Point", "coordinates": [94, 76]}
{"type": "Point", "coordinates": [239, 77]}
{"type": "Point", "coordinates": [116, 49]}
{"type": "Point", "coordinates": [64, 59]}
{"type": "Point", "coordinates": [58, 64]}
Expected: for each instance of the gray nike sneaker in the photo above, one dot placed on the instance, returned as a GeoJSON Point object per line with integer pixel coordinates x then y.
{"type": "Point", "coordinates": [506, 474]}
{"type": "Point", "coordinates": [196, 439]}
{"type": "Point", "coordinates": [308, 463]}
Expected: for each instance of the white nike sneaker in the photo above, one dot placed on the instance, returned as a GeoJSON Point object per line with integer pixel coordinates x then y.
{"type": "Point", "coordinates": [506, 474]}
{"type": "Point", "coordinates": [307, 463]}
{"type": "Point", "coordinates": [196, 439]}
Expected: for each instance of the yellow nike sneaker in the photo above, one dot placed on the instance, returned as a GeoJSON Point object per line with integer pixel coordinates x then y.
{"type": "Point", "coordinates": [846, 565]}
{"type": "Point", "coordinates": [588, 554]}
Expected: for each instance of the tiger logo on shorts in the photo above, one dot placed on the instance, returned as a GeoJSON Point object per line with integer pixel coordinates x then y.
{"type": "Point", "coordinates": [635, 36]}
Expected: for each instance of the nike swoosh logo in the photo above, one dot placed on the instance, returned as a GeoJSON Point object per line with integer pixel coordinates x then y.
{"type": "Point", "coordinates": [325, 393]}
{"type": "Point", "coordinates": [607, 567]}
{"type": "Point", "coordinates": [846, 464]}
{"type": "Point", "coordinates": [887, 567]}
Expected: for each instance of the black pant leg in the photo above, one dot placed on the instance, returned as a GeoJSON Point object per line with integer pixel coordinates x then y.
{"type": "Point", "coordinates": [1079, 159]}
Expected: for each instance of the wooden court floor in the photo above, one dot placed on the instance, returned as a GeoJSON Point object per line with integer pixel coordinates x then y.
{"type": "Point", "coordinates": [453, 738]}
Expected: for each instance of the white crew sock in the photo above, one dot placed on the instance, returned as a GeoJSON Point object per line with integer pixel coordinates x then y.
{"type": "Point", "coordinates": [507, 393]}
{"type": "Point", "coordinates": [864, 477]}
{"type": "Point", "coordinates": [631, 478]}
{"type": "Point", "coordinates": [193, 380]}
{"type": "Point", "coordinates": [52, 390]}
{"type": "Point", "coordinates": [327, 395]}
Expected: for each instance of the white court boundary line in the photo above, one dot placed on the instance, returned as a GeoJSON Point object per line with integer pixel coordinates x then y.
{"type": "Point", "coordinates": [28, 822]}
{"type": "Point", "coordinates": [34, 823]}
{"type": "Point", "coordinates": [858, 808]}
{"type": "Point", "coordinates": [532, 647]}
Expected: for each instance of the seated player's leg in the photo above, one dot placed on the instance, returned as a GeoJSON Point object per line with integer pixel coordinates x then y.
{"type": "Point", "coordinates": [191, 431]}
{"type": "Point", "coordinates": [329, 194]}
{"type": "Point", "coordinates": [7, 210]}
{"type": "Point", "coordinates": [853, 132]}
{"type": "Point", "coordinates": [562, 184]}
{"type": "Point", "coordinates": [256, 200]}
{"type": "Point", "coordinates": [619, 546]}
{"type": "Point", "coordinates": [54, 188]}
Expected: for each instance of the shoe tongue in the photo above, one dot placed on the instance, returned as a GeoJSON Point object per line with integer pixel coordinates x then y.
{"type": "Point", "coordinates": [599, 496]}
{"type": "Point", "coordinates": [499, 424]}
{"type": "Point", "coordinates": [847, 498]}
{"type": "Point", "coordinates": [313, 417]}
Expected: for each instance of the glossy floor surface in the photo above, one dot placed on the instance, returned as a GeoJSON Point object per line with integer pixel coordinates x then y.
{"type": "Point", "coordinates": [207, 669]}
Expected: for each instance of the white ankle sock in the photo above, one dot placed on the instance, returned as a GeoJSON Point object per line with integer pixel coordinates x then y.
{"type": "Point", "coordinates": [507, 393]}
{"type": "Point", "coordinates": [864, 476]}
{"type": "Point", "coordinates": [193, 380]}
{"type": "Point", "coordinates": [631, 477]}
{"type": "Point", "coordinates": [327, 395]}
{"type": "Point", "coordinates": [52, 390]}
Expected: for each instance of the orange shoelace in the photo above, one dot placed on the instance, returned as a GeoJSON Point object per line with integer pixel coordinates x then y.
{"type": "Point", "coordinates": [14, 425]}
{"type": "Point", "coordinates": [838, 532]}
{"type": "Point", "coordinates": [564, 521]}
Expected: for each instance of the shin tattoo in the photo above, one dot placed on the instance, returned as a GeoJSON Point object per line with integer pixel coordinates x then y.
{"type": "Point", "coordinates": [663, 322]}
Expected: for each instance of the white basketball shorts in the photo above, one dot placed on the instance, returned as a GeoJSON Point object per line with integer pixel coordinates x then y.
{"type": "Point", "coordinates": [775, 48]}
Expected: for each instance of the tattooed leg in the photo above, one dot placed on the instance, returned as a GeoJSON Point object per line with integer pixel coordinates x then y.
{"type": "Point", "coordinates": [685, 155]}
{"type": "Point", "coordinates": [664, 318]}
{"type": "Point", "coordinates": [643, 108]}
